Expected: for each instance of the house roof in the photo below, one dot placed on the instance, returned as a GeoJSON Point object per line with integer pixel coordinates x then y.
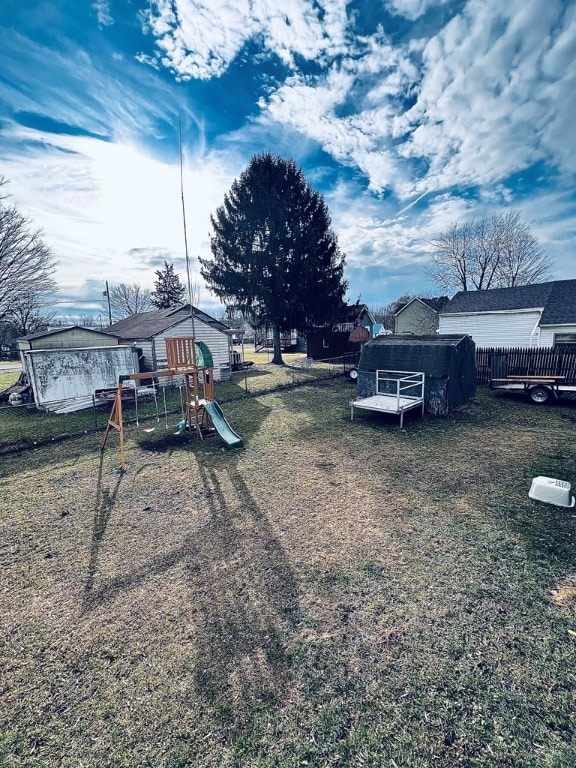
{"type": "Point", "coordinates": [54, 331]}
{"type": "Point", "coordinates": [561, 305]}
{"type": "Point", "coordinates": [409, 340]}
{"type": "Point", "coordinates": [353, 312]}
{"type": "Point", "coordinates": [436, 303]}
{"type": "Point", "coordinates": [359, 334]}
{"type": "Point", "coordinates": [146, 325]}
{"type": "Point", "coordinates": [557, 299]}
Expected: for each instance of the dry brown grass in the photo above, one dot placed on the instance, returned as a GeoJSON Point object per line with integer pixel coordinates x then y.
{"type": "Point", "coordinates": [335, 594]}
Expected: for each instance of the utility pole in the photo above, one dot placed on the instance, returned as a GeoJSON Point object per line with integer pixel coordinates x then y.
{"type": "Point", "coordinates": [184, 223]}
{"type": "Point", "coordinates": [107, 294]}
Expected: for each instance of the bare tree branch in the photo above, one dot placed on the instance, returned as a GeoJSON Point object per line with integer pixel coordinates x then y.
{"type": "Point", "coordinates": [28, 313]}
{"type": "Point", "coordinates": [491, 252]}
{"type": "Point", "coordinates": [129, 299]}
{"type": "Point", "coordinates": [26, 262]}
{"type": "Point", "coordinates": [195, 290]}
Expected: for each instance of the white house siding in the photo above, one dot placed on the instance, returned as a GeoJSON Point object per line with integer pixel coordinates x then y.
{"type": "Point", "coordinates": [548, 332]}
{"type": "Point", "coordinates": [147, 348]}
{"type": "Point", "coordinates": [495, 329]}
{"type": "Point", "coordinates": [216, 341]}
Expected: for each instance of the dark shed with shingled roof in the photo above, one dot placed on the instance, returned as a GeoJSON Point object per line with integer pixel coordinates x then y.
{"type": "Point", "coordinates": [335, 341]}
{"type": "Point", "coordinates": [449, 362]}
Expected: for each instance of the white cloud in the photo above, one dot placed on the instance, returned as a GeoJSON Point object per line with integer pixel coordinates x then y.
{"type": "Point", "coordinates": [312, 107]}
{"type": "Point", "coordinates": [489, 95]}
{"type": "Point", "coordinates": [100, 203]}
{"type": "Point", "coordinates": [81, 92]}
{"type": "Point", "coordinates": [373, 233]}
{"type": "Point", "coordinates": [200, 38]}
{"type": "Point", "coordinates": [483, 110]}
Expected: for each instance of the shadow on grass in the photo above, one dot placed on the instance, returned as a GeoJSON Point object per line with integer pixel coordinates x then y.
{"type": "Point", "coordinates": [247, 597]}
{"type": "Point", "coordinates": [104, 501]}
{"type": "Point", "coordinates": [242, 591]}
{"type": "Point", "coordinates": [65, 450]}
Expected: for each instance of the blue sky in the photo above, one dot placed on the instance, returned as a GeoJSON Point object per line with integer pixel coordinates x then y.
{"type": "Point", "coordinates": [406, 114]}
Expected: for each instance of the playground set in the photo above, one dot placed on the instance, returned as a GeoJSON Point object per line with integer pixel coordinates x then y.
{"type": "Point", "coordinates": [192, 360]}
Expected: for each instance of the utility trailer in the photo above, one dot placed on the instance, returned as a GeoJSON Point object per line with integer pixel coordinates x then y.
{"type": "Point", "coordinates": [539, 389]}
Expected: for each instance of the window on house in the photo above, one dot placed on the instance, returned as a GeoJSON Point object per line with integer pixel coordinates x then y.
{"type": "Point", "coordinates": [565, 338]}
{"type": "Point", "coordinates": [343, 327]}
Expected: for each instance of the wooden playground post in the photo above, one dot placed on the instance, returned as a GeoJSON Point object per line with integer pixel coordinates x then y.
{"type": "Point", "coordinates": [116, 422]}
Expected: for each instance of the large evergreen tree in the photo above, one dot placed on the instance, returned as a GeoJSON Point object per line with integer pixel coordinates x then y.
{"type": "Point", "coordinates": [274, 255]}
{"type": "Point", "coordinates": [168, 289]}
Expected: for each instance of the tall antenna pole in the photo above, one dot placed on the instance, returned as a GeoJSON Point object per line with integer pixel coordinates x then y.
{"type": "Point", "coordinates": [184, 223]}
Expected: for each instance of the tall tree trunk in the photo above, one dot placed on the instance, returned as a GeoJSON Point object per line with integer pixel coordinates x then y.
{"type": "Point", "coordinates": [277, 359]}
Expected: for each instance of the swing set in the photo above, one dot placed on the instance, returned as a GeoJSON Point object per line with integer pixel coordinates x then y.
{"type": "Point", "coordinates": [190, 359]}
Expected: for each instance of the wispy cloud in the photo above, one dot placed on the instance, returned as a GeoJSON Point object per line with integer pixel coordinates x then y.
{"type": "Point", "coordinates": [412, 204]}
{"type": "Point", "coordinates": [118, 98]}
{"type": "Point", "coordinates": [412, 9]}
{"type": "Point", "coordinates": [466, 107]}
{"type": "Point", "coordinates": [103, 14]}
{"type": "Point", "coordinates": [483, 111]}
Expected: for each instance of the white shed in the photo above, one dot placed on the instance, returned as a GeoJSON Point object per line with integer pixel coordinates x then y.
{"type": "Point", "coordinates": [66, 379]}
{"type": "Point", "coordinates": [148, 332]}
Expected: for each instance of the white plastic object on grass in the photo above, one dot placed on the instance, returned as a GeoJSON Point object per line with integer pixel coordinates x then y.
{"type": "Point", "coordinates": [552, 491]}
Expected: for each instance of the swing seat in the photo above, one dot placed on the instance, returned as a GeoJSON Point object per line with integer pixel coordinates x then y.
{"type": "Point", "coordinates": [181, 427]}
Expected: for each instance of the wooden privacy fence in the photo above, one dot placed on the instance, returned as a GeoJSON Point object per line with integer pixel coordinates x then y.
{"type": "Point", "coordinates": [527, 361]}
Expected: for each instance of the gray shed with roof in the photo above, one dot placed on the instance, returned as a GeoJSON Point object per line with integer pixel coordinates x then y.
{"type": "Point", "coordinates": [69, 337]}
{"type": "Point", "coordinates": [539, 315]}
{"type": "Point", "coordinates": [148, 331]}
{"type": "Point", "coordinates": [448, 361]}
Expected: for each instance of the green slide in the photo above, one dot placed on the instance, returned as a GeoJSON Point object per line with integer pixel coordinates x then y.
{"type": "Point", "coordinates": [221, 426]}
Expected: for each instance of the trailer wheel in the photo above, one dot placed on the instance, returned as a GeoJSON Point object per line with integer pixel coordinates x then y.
{"type": "Point", "coordinates": [539, 395]}
{"type": "Point", "coordinates": [353, 374]}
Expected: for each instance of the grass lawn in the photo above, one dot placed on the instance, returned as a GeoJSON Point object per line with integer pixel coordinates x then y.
{"type": "Point", "coordinates": [7, 378]}
{"type": "Point", "coordinates": [24, 425]}
{"type": "Point", "coordinates": [334, 594]}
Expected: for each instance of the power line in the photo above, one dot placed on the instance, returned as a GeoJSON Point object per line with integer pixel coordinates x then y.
{"type": "Point", "coordinates": [78, 301]}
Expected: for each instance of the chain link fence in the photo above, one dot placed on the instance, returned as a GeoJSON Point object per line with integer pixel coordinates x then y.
{"type": "Point", "coordinates": [25, 425]}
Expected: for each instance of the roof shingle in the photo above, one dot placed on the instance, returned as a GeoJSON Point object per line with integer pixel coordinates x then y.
{"type": "Point", "coordinates": [556, 298]}
{"type": "Point", "coordinates": [146, 325]}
